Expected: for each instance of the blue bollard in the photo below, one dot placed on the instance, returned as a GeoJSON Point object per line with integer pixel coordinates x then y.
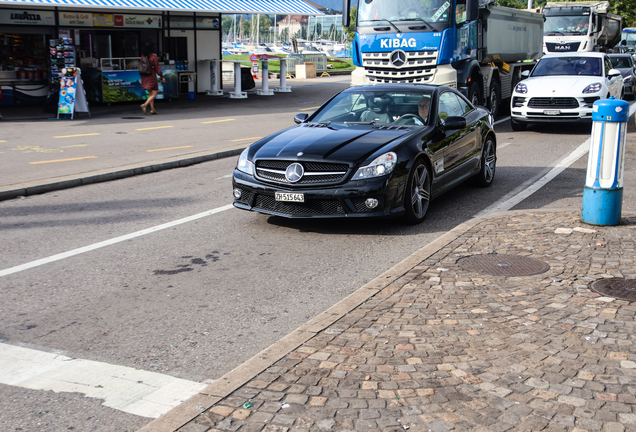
{"type": "Point", "coordinates": [603, 191]}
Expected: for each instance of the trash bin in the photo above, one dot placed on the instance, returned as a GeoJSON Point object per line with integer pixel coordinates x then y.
{"type": "Point", "coordinates": [247, 81]}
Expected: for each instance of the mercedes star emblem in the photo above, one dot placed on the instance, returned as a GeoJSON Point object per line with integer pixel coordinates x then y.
{"type": "Point", "coordinates": [294, 172]}
{"type": "Point", "coordinates": [398, 58]}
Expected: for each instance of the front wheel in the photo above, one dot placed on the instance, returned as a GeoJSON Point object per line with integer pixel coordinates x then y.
{"type": "Point", "coordinates": [474, 94]}
{"type": "Point", "coordinates": [418, 193]}
{"type": "Point", "coordinates": [488, 163]}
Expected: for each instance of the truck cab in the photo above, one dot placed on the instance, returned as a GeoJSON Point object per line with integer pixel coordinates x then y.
{"type": "Point", "coordinates": [580, 27]}
{"type": "Point", "coordinates": [459, 43]}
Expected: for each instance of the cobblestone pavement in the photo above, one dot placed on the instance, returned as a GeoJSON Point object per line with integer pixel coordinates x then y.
{"type": "Point", "coordinates": [442, 348]}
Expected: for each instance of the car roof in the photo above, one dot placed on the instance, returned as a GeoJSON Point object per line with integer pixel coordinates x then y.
{"type": "Point", "coordinates": [618, 55]}
{"type": "Point", "coordinates": [575, 54]}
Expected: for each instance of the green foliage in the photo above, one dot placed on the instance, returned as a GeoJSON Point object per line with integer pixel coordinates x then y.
{"type": "Point", "coordinates": [274, 66]}
{"type": "Point", "coordinates": [517, 4]}
{"type": "Point", "coordinates": [351, 30]}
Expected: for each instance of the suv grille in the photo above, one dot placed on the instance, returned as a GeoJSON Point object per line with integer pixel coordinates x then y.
{"type": "Point", "coordinates": [555, 102]}
{"type": "Point", "coordinates": [315, 172]}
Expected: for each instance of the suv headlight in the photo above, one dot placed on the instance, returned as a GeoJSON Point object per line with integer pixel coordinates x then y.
{"type": "Point", "coordinates": [593, 88]}
{"type": "Point", "coordinates": [521, 88]}
{"type": "Point", "coordinates": [380, 166]}
{"type": "Point", "coordinates": [627, 78]}
{"type": "Point", "coordinates": [245, 165]}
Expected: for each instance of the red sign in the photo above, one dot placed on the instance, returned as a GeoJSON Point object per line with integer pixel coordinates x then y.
{"type": "Point", "coordinates": [253, 57]}
{"type": "Point", "coordinates": [118, 20]}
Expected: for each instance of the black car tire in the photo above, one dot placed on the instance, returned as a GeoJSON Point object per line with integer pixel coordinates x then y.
{"type": "Point", "coordinates": [474, 94]}
{"type": "Point", "coordinates": [494, 99]}
{"type": "Point", "coordinates": [418, 193]}
{"type": "Point", "coordinates": [488, 163]}
{"type": "Point", "coordinates": [517, 126]}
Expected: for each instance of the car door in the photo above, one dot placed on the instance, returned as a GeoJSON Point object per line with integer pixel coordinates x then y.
{"type": "Point", "coordinates": [461, 143]}
{"type": "Point", "coordinates": [614, 83]}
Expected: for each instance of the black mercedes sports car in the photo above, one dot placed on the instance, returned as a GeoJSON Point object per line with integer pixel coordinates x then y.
{"type": "Point", "coordinates": [370, 151]}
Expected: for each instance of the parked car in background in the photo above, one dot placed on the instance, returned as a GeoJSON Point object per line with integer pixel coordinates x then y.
{"type": "Point", "coordinates": [625, 64]}
{"type": "Point", "coordinates": [563, 87]}
{"type": "Point", "coordinates": [370, 151]}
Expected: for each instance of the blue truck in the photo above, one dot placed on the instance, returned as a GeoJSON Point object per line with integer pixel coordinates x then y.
{"type": "Point", "coordinates": [472, 45]}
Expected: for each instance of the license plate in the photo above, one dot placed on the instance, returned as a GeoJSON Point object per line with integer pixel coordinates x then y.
{"type": "Point", "coordinates": [551, 112]}
{"type": "Point", "coordinates": [284, 196]}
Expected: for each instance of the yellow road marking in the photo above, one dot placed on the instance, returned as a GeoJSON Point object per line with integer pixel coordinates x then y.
{"type": "Point", "coordinates": [217, 121]}
{"type": "Point", "coordinates": [170, 148]}
{"type": "Point", "coordinates": [246, 139]}
{"type": "Point", "coordinates": [73, 136]}
{"type": "Point", "coordinates": [79, 145]}
{"type": "Point", "coordinates": [307, 109]}
{"type": "Point", "coordinates": [63, 160]}
{"type": "Point", "coordinates": [2, 141]}
{"type": "Point", "coordinates": [158, 127]}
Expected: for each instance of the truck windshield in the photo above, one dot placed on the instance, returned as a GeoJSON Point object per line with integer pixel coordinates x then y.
{"type": "Point", "coordinates": [555, 66]}
{"type": "Point", "coordinates": [433, 11]}
{"type": "Point", "coordinates": [630, 38]}
{"type": "Point", "coordinates": [572, 25]}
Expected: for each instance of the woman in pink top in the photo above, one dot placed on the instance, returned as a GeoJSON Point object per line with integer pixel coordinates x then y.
{"type": "Point", "coordinates": [149, 82]}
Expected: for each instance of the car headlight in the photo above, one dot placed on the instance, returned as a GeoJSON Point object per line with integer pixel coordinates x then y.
{"type": "Point", "coordinates": [380, 166]}
{"type": "Point", "coordinates": [627, 79]}
{"type": "Point", "coordinates": [521, 88]}
{"type": "Point", "coordinates": [245, 165]}
{"type": "Point", "coordinates": [593, 88]}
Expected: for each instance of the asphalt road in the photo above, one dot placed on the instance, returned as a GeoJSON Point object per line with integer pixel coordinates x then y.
{"type": "Point", "coordinates": [195, 300]}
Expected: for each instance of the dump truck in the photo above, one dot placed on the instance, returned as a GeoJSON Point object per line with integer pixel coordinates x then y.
{"type": "Point", "coordinates": [580, 26]}
{"type": "Point", "coordinates": [474, 46]}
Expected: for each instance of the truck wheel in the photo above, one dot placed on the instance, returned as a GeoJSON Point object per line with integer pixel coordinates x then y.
{"type": "Point", "coordinates": [474, 94]}
{"type": "Point", "coordinates": [494, 99]}
{"type": "Point", "coordinates": [517, 126]}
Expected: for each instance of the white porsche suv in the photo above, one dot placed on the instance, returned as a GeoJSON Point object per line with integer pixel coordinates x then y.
{"type": "Point", "coordinates": [563, 87]}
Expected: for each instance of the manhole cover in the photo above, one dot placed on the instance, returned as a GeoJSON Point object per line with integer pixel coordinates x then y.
{"type": "Point", "coordinates": [133, 118]}
{"type": "Point", "coordinates": [503, 265]}
{"type": "Point", "coordinates": [619, 288]}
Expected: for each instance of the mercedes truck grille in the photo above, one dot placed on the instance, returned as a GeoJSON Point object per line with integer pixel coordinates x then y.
{"type": "Point", "coordinates": [419, 67]}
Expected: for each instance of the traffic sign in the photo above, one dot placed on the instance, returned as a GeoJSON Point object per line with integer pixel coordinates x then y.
{"type": "Point", "coordinates": [254, 57]}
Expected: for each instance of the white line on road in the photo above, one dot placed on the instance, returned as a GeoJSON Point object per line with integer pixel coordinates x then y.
{"type": "Point", "coordinates": [142, 393]}
{"type": "Point", "coordinates": [501, 120]}
{"type": "Point", "coordinates": [111, 241]}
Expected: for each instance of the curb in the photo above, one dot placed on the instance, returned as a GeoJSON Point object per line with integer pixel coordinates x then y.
{"type": "Point", "coordinates": [66, 182]}
{"type": "Point", "coordinates": [182, 414]}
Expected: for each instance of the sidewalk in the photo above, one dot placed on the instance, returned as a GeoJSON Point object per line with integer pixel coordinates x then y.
{"type": "Point", "coordinates": [431, 345]}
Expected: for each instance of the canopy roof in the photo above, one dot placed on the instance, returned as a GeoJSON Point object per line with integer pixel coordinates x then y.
{"type": "Point", "coordinates": [297, 7]}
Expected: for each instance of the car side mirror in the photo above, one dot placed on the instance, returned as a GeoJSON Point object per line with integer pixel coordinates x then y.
{"type": "Point", "coordinates": [525, 74]}
{"type": "Point", "coordinates": [453, 122]}
{"type": "Point", "coordinates": [300, 118]}
{"type": "Point", "coordinates": [613, 72]}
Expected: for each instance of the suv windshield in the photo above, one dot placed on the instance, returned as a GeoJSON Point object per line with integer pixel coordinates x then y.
{"type": "Point", "coordinates": [372, 11]}
{"type": "Point", "coordinates": [622, 62]}
{"type": "Point", "coordinates": [568, 66]}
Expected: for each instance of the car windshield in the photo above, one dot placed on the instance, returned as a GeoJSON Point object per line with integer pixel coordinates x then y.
{"type": "Point", "coordinates": [566, 24]}
{"type": "Point", "coordinates": [371, 11]}
{"type": "Point", "coordinates": [620, 62]}
{"type": "Point", "coordinates": [372, 107]}
{"type": "Point", "coordinates": [556, 66]}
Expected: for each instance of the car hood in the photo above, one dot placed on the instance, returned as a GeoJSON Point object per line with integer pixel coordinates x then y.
{"type": "Point", "coordinates": [625, 72]}
{"type": "Point", "coordinates": [334, 143]}
{"type": "Point", "coordinates": [570, 85]}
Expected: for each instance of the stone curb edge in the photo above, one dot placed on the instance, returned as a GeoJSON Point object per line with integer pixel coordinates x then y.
{"type": "Point", "coordinates": [182, 414]}
{"type": "Point", "coordinates": [66, 182]}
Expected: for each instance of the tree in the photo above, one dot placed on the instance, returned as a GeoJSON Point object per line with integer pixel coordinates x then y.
{"type": "Point", "coordinates": [351, 30]}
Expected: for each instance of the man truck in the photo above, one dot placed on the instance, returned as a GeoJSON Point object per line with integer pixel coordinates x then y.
{"type": "Point", "coordinates": [472, 45]}
{"type": "Point", "coordinates": [580, 26]}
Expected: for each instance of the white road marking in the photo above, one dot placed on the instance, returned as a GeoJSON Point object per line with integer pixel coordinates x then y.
{"type": "Point", "coordinates": [501, 121]}
{"type": "Point", "coordinates": [142, 393]}
{"type": "Point", "coordinates": [500, 146]}
{"type": "Point", "coordinates": [225, 176]}
{"type": "Point", "coordinates": [105, 243]}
